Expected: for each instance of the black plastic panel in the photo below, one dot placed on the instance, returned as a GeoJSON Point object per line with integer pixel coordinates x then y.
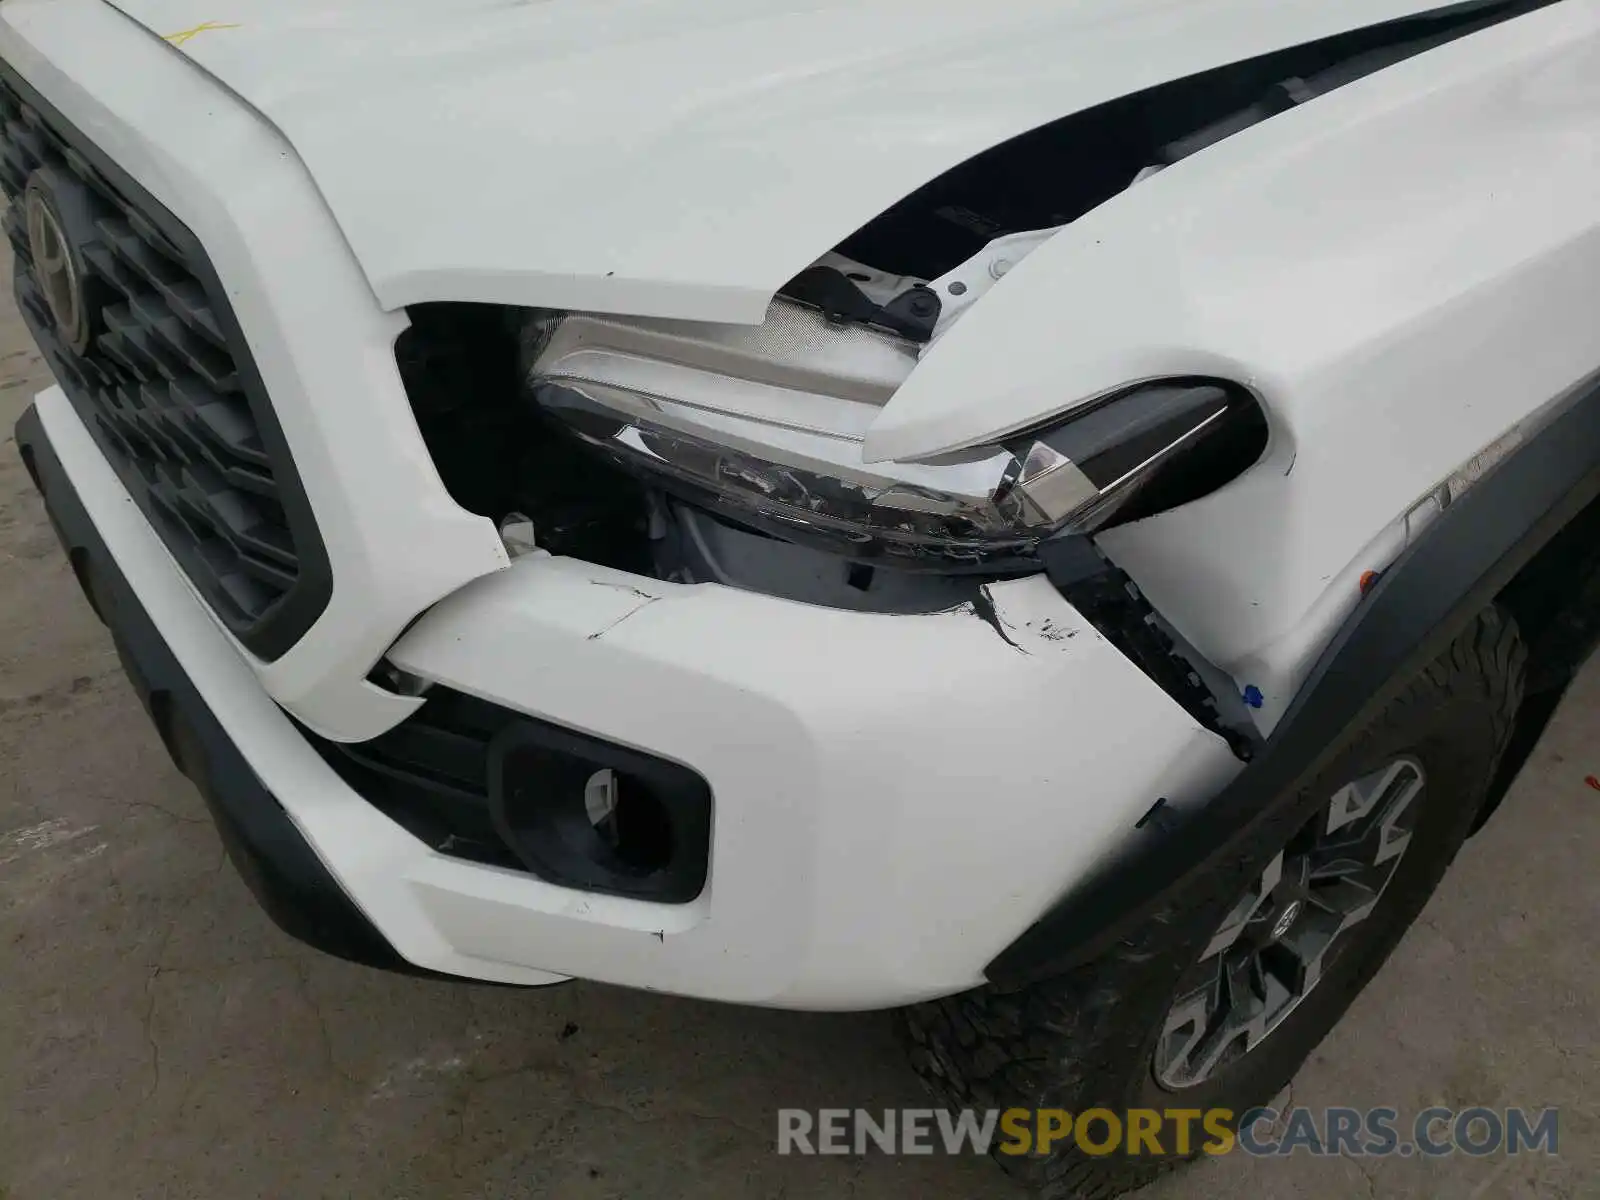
{"type": "Point", "coordinates": [263, 843]}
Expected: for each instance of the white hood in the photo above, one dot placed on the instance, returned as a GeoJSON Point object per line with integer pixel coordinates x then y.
{"type": "Point", "coordinates": [676, 158]}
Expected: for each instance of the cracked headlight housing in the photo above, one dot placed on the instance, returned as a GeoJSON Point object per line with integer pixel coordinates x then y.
{"type": "Point", "coordinates": [788, 462]}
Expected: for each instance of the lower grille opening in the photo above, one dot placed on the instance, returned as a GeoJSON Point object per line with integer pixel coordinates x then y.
{"type": "Point", "coordinates": [480, 782]}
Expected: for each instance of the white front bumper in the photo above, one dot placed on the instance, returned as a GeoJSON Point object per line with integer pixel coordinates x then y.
{"type": "Point", "coordinates": [895, 797]}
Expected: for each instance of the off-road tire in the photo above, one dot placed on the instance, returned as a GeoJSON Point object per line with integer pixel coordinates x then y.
{"type": "Point", "coordinates": [1086, 1039]}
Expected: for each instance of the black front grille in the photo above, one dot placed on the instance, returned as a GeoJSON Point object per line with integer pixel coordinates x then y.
{"type": "Point", "coordinates": [166, 383]}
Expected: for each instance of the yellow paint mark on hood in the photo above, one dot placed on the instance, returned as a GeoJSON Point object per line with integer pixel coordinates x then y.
{"type": "Point", "coordinates": [183, 35]}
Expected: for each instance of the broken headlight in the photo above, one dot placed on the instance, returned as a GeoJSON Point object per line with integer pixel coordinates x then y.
{"type": "Point", "coordinates": [790, 464]}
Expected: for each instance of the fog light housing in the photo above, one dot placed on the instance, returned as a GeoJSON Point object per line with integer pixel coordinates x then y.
{"type": "Point", "coordinates": [590, 814]}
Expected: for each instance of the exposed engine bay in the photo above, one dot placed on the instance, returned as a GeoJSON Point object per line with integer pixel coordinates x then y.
{"type": "Point", "coordinates": [696, 451]}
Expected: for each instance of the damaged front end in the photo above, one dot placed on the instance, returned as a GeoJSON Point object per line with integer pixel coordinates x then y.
{"type": "Point", "coordinates": [696, 451]}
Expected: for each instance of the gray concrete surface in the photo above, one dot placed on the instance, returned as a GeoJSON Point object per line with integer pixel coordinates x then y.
{"type": "Point", "coordinates": [159, 1038]}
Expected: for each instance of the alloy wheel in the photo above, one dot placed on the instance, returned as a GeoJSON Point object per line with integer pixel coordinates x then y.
{"type": "Point", "coordinates": [1284, 934]}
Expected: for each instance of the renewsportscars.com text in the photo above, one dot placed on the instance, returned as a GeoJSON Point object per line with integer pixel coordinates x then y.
{"type": "Point", "coordinates": [1374, 1132]}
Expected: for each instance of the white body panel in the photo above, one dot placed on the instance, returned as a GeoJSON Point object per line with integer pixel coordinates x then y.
{"type": "Point", "coordinates": [1401, 270]}
{"type": "Point", "coordinates": [896, 797]}
{"type": "Point", "coordinates": [676, 159]}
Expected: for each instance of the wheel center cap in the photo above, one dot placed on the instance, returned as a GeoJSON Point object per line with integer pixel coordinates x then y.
{"type": "Point", "coordinates": [1285, 919]}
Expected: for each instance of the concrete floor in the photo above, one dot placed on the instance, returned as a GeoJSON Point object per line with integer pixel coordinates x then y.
{"type": "Point", "coordinates": [158, 1037]}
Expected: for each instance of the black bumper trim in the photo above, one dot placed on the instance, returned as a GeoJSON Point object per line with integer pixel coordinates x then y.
{"type": "Point", "coordinates": [269, 852]}
{"type": "Point", "coordinates": [1462, 563]}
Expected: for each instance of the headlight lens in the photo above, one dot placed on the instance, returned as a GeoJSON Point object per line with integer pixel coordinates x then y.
{"type": "Point", "coordinates": [979, 507]}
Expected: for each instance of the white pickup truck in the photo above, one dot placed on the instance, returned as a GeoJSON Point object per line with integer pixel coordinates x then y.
{"type": "Point", "coordinates": [1057, 517]}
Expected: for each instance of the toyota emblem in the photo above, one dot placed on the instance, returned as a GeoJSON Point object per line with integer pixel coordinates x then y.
{"type": "Point", "coordinates": [55, 268]}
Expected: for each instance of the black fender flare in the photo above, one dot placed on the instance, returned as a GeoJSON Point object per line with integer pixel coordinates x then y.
{"type": "Point", "coordinates": [1440, 582]}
